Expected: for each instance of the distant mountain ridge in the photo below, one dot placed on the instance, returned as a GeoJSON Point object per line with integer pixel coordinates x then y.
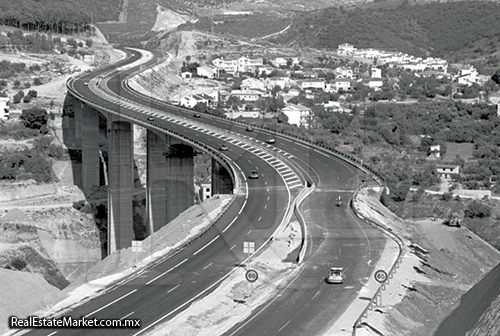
{"type": "Point", "coordinates": [436, 29]}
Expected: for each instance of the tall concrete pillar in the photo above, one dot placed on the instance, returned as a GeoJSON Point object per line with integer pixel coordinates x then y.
{"type": "Point", "coordinates": [120, 183]}
{"type": "Point", "coordinates": [90, 148]}
{"type": "Point", "coordinates": [78, 107]}
{"type": "Point", "coordinates": [170, 179]}
{"type": "Point", "coordinates": [221, 180]}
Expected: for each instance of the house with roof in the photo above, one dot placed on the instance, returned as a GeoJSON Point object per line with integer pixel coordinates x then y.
{"type": "Point", "coordinates": [298, 114]}
{"type": "Point", "coordinates": [367, 53]}
{"type": "Point", "coordinates": [206, 71]}
{"type": "Point", "coordinates": [376, 72]}
{"type": "Point", "coordinates": [282, 82]}
{"type": "Point", "coordinates": [192, 100]}
{"type": "Point", "coordinates": [313, 84]}
{"type": "Point", "coordinates": [446, 170]}
{"type": "Point", "coordinates": [248, 95]}
{"type": "Point", "coordinates": [343, 72]}
{"type": "Point", "coordinates": [375, 83]}
{"type": "Point", "coordinates": [338, 84]}
{"type": "Point", "coordinates": [4, 108]}
{"type": "Point", "coordinates": [228, 65]}
{"type": "Point", "coordinates": [249, 63]}
{"type": "Point", "coordinates": [346, 49]}
{"type": "Point", "coordinates": [280, 61]}
{"type": "Point", "coordinates": [252, 84]}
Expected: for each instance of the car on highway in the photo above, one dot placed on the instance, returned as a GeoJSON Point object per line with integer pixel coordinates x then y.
{"type": "Point", "coordinates": [336, 275]}
{"type": "Point", "coordinates": [271, 140]}
{"type": "Point", "coordinates": [254, 174]}
{"type": "Point", "coordinates": [249, 129]}
{"type": "Point", "coordinates": [197, 115]}
{"type": "Point", "coordinates": [151, 119]}
{"type": "Point", "coordinates": [223, 148]}
{"type": "Point", "coordinates": [86, 83]}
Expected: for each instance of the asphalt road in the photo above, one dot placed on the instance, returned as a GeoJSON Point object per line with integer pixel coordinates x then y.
{"type": "Point", "coordinates": [165, 290]}
{"type": "Point", "coordinates": [308, 305]}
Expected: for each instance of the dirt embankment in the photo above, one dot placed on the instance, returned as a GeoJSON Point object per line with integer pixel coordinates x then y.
{"type": "Point", "coordinates": [440, 265]}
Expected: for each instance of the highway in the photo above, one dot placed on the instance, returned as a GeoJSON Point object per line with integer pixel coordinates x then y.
{"type": "Point", "coordinates": [336, 238]}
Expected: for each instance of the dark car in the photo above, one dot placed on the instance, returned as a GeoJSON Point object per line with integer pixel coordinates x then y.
{"type": "Point", "coordinates": [254, 174]}
{"type": "Point", "coordinates": [223, 148]}
{"type": "Point", "coordinates": [197, 115]}
{"type": "Point", "coordinates": [249, 129]}
{"type": "Point", "coordinates": [151, 119]}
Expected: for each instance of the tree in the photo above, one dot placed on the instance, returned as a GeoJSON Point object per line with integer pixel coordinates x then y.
{"type": "Point", "coordinates": [476, 209]}
{"type": "Point", "coordinates": [34, 118]}
{"type": "Point", "coordinates": [401, 191]}
{"type": "Point", "coordinates": [37, 81]}
{"type": "Point", "coordinates": [496, 77]}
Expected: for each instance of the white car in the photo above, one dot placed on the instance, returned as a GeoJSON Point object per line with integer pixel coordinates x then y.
{"type": "Point", "coordinates": [271, 140]}
{"type": "Point", "coordinates": [254, 174]}
{"type": "Point", "coordinates": [336, 276]}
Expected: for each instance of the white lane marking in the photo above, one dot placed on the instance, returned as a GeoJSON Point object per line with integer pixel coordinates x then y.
{"type": "Point", "coordinates": [321, 153]}
{"type": "Point", "coordinates": [259, 218]}
{"type": "Point", "coordinates": [284, 326]}
{"type": "Point", "coordinates": [172, 289]}
{"type": "Point", "coordinates": [227, 227]}
{"type": "Point", "coordinates": [159, 276]}
{"type": "Point", "coordinates": [316, 295]}
{"type": "Point", "coordinates": [55, 332]}
{"type": "Point", "coordinates": [210, 242]}
{"type": "Point", "coordinates": [265, 207]}
{"type": "Point", "coordinates": [241, 210]}
{"type": "Point", "coordinates": [268, 196]}
{"type": "Point", "coordinates": [267, 189]}
{"type": "Point", "coordinates": [124, 316]}
{"type": "Point", "coordinates": [249, 232]}
{"type": "Point", "coordinates": [232, 247]}
{"type": "Point", "coordinates": [109, 304]}
{"type": "Point", "coordinates": [208, 265]}
{"type": "Point", "coordinates": [265, 182]}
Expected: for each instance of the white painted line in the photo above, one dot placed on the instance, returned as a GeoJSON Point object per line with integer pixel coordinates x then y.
{"type": "Point", "coordinates": [55, 332]}
{"type": "Point", "coordinates": [109, 304]}
{"type": "Point", "coordinates": [259, 218]}
{"type": "Point", "coordinates": [284, 326]}
{"type": "Point", "coordinates": [249, 232]}
{"type": "Point", "coordinates": [208, 265]}
{"type": "Point", "coordinates": [227, 227]}
{"type": "Point", "coordinates": [210, 242]}
{"type": "Point", "coordinates": [265, 207]}
{"type": "Point", "coordinates": [124, 316]}
{"type": "Point", "coordinates": [321, 153]}
{"type": "Point", "coordinates": [265, 182]}
{"type": "Point", "coordinates": [316, 295]}
{"type": "Point", "coordinates": [159, 276]}
{"type": "Point", "coordinates": [172, 289]}
{"type": "Point", "coordinates": [232, 247]}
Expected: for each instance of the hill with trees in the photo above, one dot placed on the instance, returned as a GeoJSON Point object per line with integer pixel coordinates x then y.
{"type": "Point", "coordinates": [436, 29]}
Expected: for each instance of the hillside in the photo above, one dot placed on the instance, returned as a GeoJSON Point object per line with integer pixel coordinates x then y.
{"type": "Point", "coordinates": [438, 29]}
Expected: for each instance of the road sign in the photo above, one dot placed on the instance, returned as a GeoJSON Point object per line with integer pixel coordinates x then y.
{"type": "Point", "coordinates": [248, 247]}
{"type": "Point", "coordinates": [136, 246]}
{"type": "Point", "coordinates": [251, 275]}
{"type": "Point", "coordinates": [380, 276]}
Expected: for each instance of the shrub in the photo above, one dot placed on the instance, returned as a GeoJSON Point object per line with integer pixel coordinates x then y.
{"type": "Point", "coordinates": [34, 118]}
{"type": "Point", "coordinates": [26, 99]}
{"type": "Point", "coordinates": [476, 209]}
{"type": "Point", "coordinates": [18, 264]}
{"type": "Point", "coordinates": [37, 81]}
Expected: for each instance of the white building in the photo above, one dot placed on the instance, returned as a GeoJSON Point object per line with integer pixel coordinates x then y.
{"type": "Point", "coordinates": [4, 108]}
{"type": "Point", "coordinates": [191, 101]}
{"type": "Point", "coordinates": [252, 84]}
{"type": "Point", "coordinates": [298, 115]}
{"type": "Point", "coordinates": [282, 82]}
{"type": "Point", "coordinates": [313, 84]}
{"type": "Point", "coordinates": [247, 95]}
{"type": "Point", "coordinates": [228, 65]}
{"type": "Point", "coordinates": [346, 49]}
{"type": "Point", "coordinates": [206, 71]}
{"type": "Point", "coordinates": [376, 73]}
{"type": "Point", "coordinates": [249, 63]}
{"type": "Point", "coordinates": [343, 72]}
{"type": "Point", "coordinates": [279, 61]}
{"type": "Point", "coordinates": [375, 83]}
{"type": "Point", "coordinates": [341, 83]}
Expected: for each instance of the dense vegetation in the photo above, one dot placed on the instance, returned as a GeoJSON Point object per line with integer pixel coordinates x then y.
{"type": "Point", "coordinates": [63, 16]}
{"type": "Point", "coordinates": [437, 29]}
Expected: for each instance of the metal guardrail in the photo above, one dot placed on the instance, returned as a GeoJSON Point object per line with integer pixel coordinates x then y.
{"type": "Point", "coordinates": [359, 321]}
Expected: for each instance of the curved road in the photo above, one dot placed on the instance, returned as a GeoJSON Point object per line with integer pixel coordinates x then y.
{"type": "Point", "coordinates": [308, 305]}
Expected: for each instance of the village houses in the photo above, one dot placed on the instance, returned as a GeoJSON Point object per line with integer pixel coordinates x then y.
{"type": "Point", "coordinates": [298, 115]}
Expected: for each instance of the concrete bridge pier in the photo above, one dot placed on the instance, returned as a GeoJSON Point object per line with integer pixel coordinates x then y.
{"type": "Point", "coordinates": [89, 126]}
{"type": "Point", "coordinates": [221, 180]}
{"type": "Point", "coordinates": [120, 183]}
{"type": "Point", "coordinates": [170, 179]}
